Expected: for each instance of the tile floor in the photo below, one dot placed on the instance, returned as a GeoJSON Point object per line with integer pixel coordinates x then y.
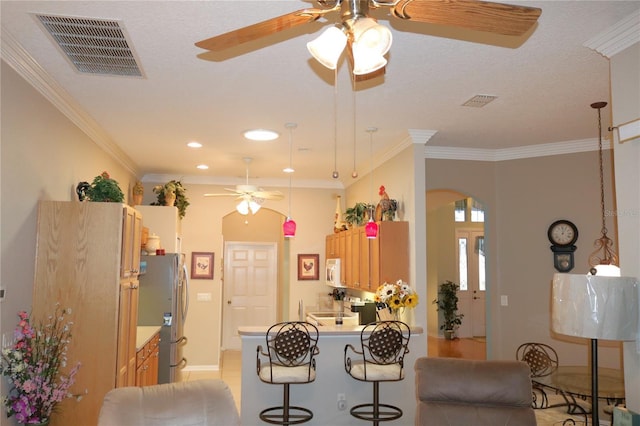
{"type": "Point", "coordinates": [230, 372]}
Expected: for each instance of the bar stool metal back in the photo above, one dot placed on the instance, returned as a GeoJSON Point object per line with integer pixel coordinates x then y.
{"type": "Point", "coordinates": [380, 359]}
{"type": "Point", "coordinates": [288, 358]}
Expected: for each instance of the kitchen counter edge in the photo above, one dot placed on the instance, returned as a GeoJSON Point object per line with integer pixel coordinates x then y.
{"type": "Point", "coordinates": [144, 333]}
{"type": "Point", "coordinates": [339, 330]}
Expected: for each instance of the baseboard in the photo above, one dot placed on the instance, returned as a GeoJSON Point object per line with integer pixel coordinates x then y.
{"type": "Point", "coordinates": [201, 368]}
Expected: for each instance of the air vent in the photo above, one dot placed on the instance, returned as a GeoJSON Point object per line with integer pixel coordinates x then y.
{"type": "Point", "coordinates": [94, 46]}
{"type": "Point", "coordinates": [478, 101]}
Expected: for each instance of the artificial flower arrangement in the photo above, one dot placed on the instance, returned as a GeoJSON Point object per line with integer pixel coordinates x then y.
{"type": "Point", "coordinates": [33, 368]}
{"type": "Point", "coordinates": [395, 296]}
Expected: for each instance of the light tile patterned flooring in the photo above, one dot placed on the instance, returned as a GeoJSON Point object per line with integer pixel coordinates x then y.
{"type": "Point", "coordinates": [460, 348]}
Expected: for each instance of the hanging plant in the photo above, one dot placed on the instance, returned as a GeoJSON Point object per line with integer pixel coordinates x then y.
{"type": "Point", "coordinates": [169, 190]}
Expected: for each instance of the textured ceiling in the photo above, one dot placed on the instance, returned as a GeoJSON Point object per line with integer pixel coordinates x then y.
{"type": "Point", "coordinates": [544, 84]}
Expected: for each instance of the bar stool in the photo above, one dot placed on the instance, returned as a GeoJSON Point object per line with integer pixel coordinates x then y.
{"type": "Point", "coordinates": [289, 359]}
{"type": "Point", "coordinates": [380, 359]}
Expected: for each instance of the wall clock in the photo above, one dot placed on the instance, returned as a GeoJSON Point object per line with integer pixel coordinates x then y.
{"type": "Point", "coordinates": [563, 234]}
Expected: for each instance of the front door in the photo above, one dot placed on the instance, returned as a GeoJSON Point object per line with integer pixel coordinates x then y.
{"type": "Point", "coordinates": [249, 289]}
{"type": "Point", "coordinates": [471, 272]}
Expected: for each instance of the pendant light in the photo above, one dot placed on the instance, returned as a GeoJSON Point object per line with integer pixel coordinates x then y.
{"type": "Point", "coordinates": [604, 260]}
{"type": "Point", "coordinates": [371, 228]}
{"type": "Point", "coordinates": [289, 226]}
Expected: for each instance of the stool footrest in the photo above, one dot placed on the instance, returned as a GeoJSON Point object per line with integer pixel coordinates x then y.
{"type": "Point", "coordinates": [278, 415]}
{"type": "Point", "coordinates": [368, 412]}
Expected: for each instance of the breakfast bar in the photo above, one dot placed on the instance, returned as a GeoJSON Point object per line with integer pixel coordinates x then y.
{"type": "Point", "coordinates": [321, 396]}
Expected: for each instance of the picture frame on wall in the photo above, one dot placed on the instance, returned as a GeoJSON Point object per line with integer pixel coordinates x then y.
{"type": "Point", "coordinates": [201, 265]}
{"type": "Point", "coordinates": [308, 268]}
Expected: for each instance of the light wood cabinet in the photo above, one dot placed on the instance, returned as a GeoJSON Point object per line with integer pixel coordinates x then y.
{"type": "Point", "coordinates": [85, 261]}
{"type": "Point", "coordinates": [147, 362]}
{"type": "Point", "coordinates": [367, 263]}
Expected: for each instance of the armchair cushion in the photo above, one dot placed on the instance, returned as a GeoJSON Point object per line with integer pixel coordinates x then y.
{"type": "Point", "coordinates": [195, 403]}
{"type": "Point", "coordinates": [458, 392]}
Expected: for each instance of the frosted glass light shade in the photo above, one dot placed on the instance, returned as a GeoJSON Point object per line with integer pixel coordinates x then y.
{"type": "Point", "coordinates": [368, 34]}
{"type": "Point", "coordinates": [328, 47]}
{"type": "Point", "coordinates": [245, 206]}
{"type": "Point", "coordinates": [289, 228]}
{"type": "Point", "coordinates": [595, 307]}
{"type": "Point", "coordinates": [371, 229]}
{"type": "Point", "coordinates": [366, 61]}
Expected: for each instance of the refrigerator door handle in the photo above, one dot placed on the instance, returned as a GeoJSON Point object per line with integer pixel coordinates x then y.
{"type": "Point", "coordinates": [181, 341]}
{"type": "Point", "coordinates": [186, 293]}
{"type": "Point", "coordinates": [181, 364]}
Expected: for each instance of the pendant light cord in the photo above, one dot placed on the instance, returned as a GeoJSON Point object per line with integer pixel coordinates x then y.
{"type": "Point", "coordinates": [335, 123]}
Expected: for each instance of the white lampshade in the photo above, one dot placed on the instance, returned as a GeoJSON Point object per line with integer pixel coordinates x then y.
{"type": "Point", "coordinates": [595, 307]}
{"type": "Point", "coordinates": [366, 61]}
{"type": "Point", "coordinates": [328, 47]}
{"type": "Point", "coordinates": [368, 34]}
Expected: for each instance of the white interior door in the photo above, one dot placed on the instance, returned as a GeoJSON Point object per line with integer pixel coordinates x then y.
{"type": "Point", "coordinates": [471, 272]}
{"type": "Point", "coordinates": [249, 289]}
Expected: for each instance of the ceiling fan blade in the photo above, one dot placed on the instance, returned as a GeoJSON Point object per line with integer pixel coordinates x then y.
{"type": "Point", "coordinates": [220, 195]}
{"type": "Point", "coordinates": [268, 195]}
{"type": "Point", "coordinates": [261, 29]}
{"type": "Point", "coordinates": [477, 15]}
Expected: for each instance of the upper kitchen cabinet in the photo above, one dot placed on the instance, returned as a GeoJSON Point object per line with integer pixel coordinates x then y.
{"type": "Point", "coordinates": [83, 249]}
{"type": "Point", "coordinates": [367, 263]}
{"type": "Point", "coordinates": [165, 222]}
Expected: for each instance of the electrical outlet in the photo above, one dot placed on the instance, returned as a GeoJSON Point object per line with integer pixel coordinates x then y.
{"type": "Point", "coordinates": [342, 401]}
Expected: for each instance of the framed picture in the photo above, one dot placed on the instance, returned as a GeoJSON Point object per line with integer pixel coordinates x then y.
{"type": "Point", "coordinates": [308, 268]}
{"type": "Point", "coordinates": [201, 265]}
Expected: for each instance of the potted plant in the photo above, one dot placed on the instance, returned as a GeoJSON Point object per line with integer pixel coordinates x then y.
{"type": "Point", "coordinates": [356, 215]}
{"type": "Point", "coordinates": [172, 193]}
{"type": "Point", "coordinates": [448, 304]}
{"type": "Point", "coordinates": [102, 189]}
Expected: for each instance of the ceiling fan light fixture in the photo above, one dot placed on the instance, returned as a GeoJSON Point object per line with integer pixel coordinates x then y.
{"type": "Point", "coordinates": [261, 135]}
{"type": "Point", "coordinates": [328, 47]}
{"type": "Point", "coordinates": [366, 61]}
{"type": "Point", "coordinates": [248, 205]}
{"type": "Point", "coordinates": [368, 34]}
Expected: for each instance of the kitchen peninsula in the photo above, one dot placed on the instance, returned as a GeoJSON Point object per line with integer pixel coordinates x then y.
{"type": "Point", "coordinates": [321, 396]}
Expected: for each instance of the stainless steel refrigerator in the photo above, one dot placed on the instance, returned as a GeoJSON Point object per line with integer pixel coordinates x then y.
{"type": "Point", "coordinates": [164, 301]}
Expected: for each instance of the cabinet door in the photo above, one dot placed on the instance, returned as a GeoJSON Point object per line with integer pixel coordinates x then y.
{"type": "Point", "coordinates": [354, 257]}
{"type": "Point", "coordinates": [127, 322]}
{"type": "Point", "coordinates": [131, 239]}
{"type": "Point", "coordinates": [364, 263]}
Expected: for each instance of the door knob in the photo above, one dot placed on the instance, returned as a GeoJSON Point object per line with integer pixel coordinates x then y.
{"type": "Point", "coordinates": [228, 302]}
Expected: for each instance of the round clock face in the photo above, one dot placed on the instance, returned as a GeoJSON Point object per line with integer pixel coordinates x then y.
{"type": "Point", "coordinates": [562, 233]}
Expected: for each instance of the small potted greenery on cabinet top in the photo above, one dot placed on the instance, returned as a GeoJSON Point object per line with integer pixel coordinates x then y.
{"type": "Point", "coordinates": [172, 190]}
{"type": "Point", "coordinates": [102, 189]}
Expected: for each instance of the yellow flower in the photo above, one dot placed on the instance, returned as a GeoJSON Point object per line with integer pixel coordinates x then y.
{"type": "Point", "coordinates": [411, 300]}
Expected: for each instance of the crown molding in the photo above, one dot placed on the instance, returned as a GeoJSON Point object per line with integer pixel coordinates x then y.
{"type": "Point", "coordinates": [505, 154]}
{"type": "Point", "coordinates": [29, 69]}
{"type": "Point", "coordinates": [623, 34]}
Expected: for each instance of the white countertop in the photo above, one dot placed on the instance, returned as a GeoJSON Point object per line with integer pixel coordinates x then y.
{"type": "Point", "coordinates": [325, 330]}
{"type": "Point", "coordinates": [144, 334]}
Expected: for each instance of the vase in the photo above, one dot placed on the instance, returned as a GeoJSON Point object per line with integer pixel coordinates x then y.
{"type": "Point", "coordinates": [169, 200]}
{"type": "Point", "coordinates": [43, 423]}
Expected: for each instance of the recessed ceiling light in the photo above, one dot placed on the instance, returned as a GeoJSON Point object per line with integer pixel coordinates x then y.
{"type": "Point", "coordinates": [261, 135]}
{"type": "Point", "coordinates": [194, 144]}
{"type": "Point", "coordinates": [288, 170]}
{"type": "Point", "coordinates": [202, 167]}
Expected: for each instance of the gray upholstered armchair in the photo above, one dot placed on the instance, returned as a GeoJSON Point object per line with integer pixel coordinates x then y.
{"type": "Point", "coordinates": [459, 392]}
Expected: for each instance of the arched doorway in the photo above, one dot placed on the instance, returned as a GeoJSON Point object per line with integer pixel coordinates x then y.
{"type": "Point", "coordinates": [455, 252]}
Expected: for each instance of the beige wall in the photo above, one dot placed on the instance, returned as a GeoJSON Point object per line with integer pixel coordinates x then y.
{"type": "Point", "coordinates": [43, 157]}
{"type": "Point", "coordinates": [625, 92]}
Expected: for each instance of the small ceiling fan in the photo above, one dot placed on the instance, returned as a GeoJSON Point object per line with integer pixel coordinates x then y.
{"type": "Point", "coordinates": [355, 22]}
{"type": "Point", "coordinates": [253, 195]}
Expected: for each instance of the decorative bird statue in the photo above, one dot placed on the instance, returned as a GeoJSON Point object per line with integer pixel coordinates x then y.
{"type": "Point", "coordinates": [387, 207]}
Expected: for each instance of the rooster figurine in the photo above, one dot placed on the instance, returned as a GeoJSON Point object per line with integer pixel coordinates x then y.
{"type": "Point", "coordinates": [387, 207]}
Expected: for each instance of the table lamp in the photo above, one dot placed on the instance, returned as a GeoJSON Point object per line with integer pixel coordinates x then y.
{"type": "Point", "coordinates": [595, 307]}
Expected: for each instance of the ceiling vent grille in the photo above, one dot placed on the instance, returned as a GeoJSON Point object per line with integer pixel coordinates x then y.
{"type": "Point", "coordinates": [94, 46]}
{"type": "Point", "coordinates": [478, 101]}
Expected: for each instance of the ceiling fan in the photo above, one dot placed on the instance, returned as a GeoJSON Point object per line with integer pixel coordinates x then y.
{"type": "Point", "coordinates": [499, 18]}
{"type": "Point", "coordinates": [251, 196]}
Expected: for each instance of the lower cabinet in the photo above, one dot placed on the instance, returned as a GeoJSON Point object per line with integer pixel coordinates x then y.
{"type": "Point", "coordinates": [147, 362]}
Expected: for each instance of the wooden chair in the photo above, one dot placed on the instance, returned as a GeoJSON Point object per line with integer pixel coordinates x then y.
{"type": "Point", "coordinates": [288, 358]}
{"type": "Point", "coordinates": [380, 359]}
